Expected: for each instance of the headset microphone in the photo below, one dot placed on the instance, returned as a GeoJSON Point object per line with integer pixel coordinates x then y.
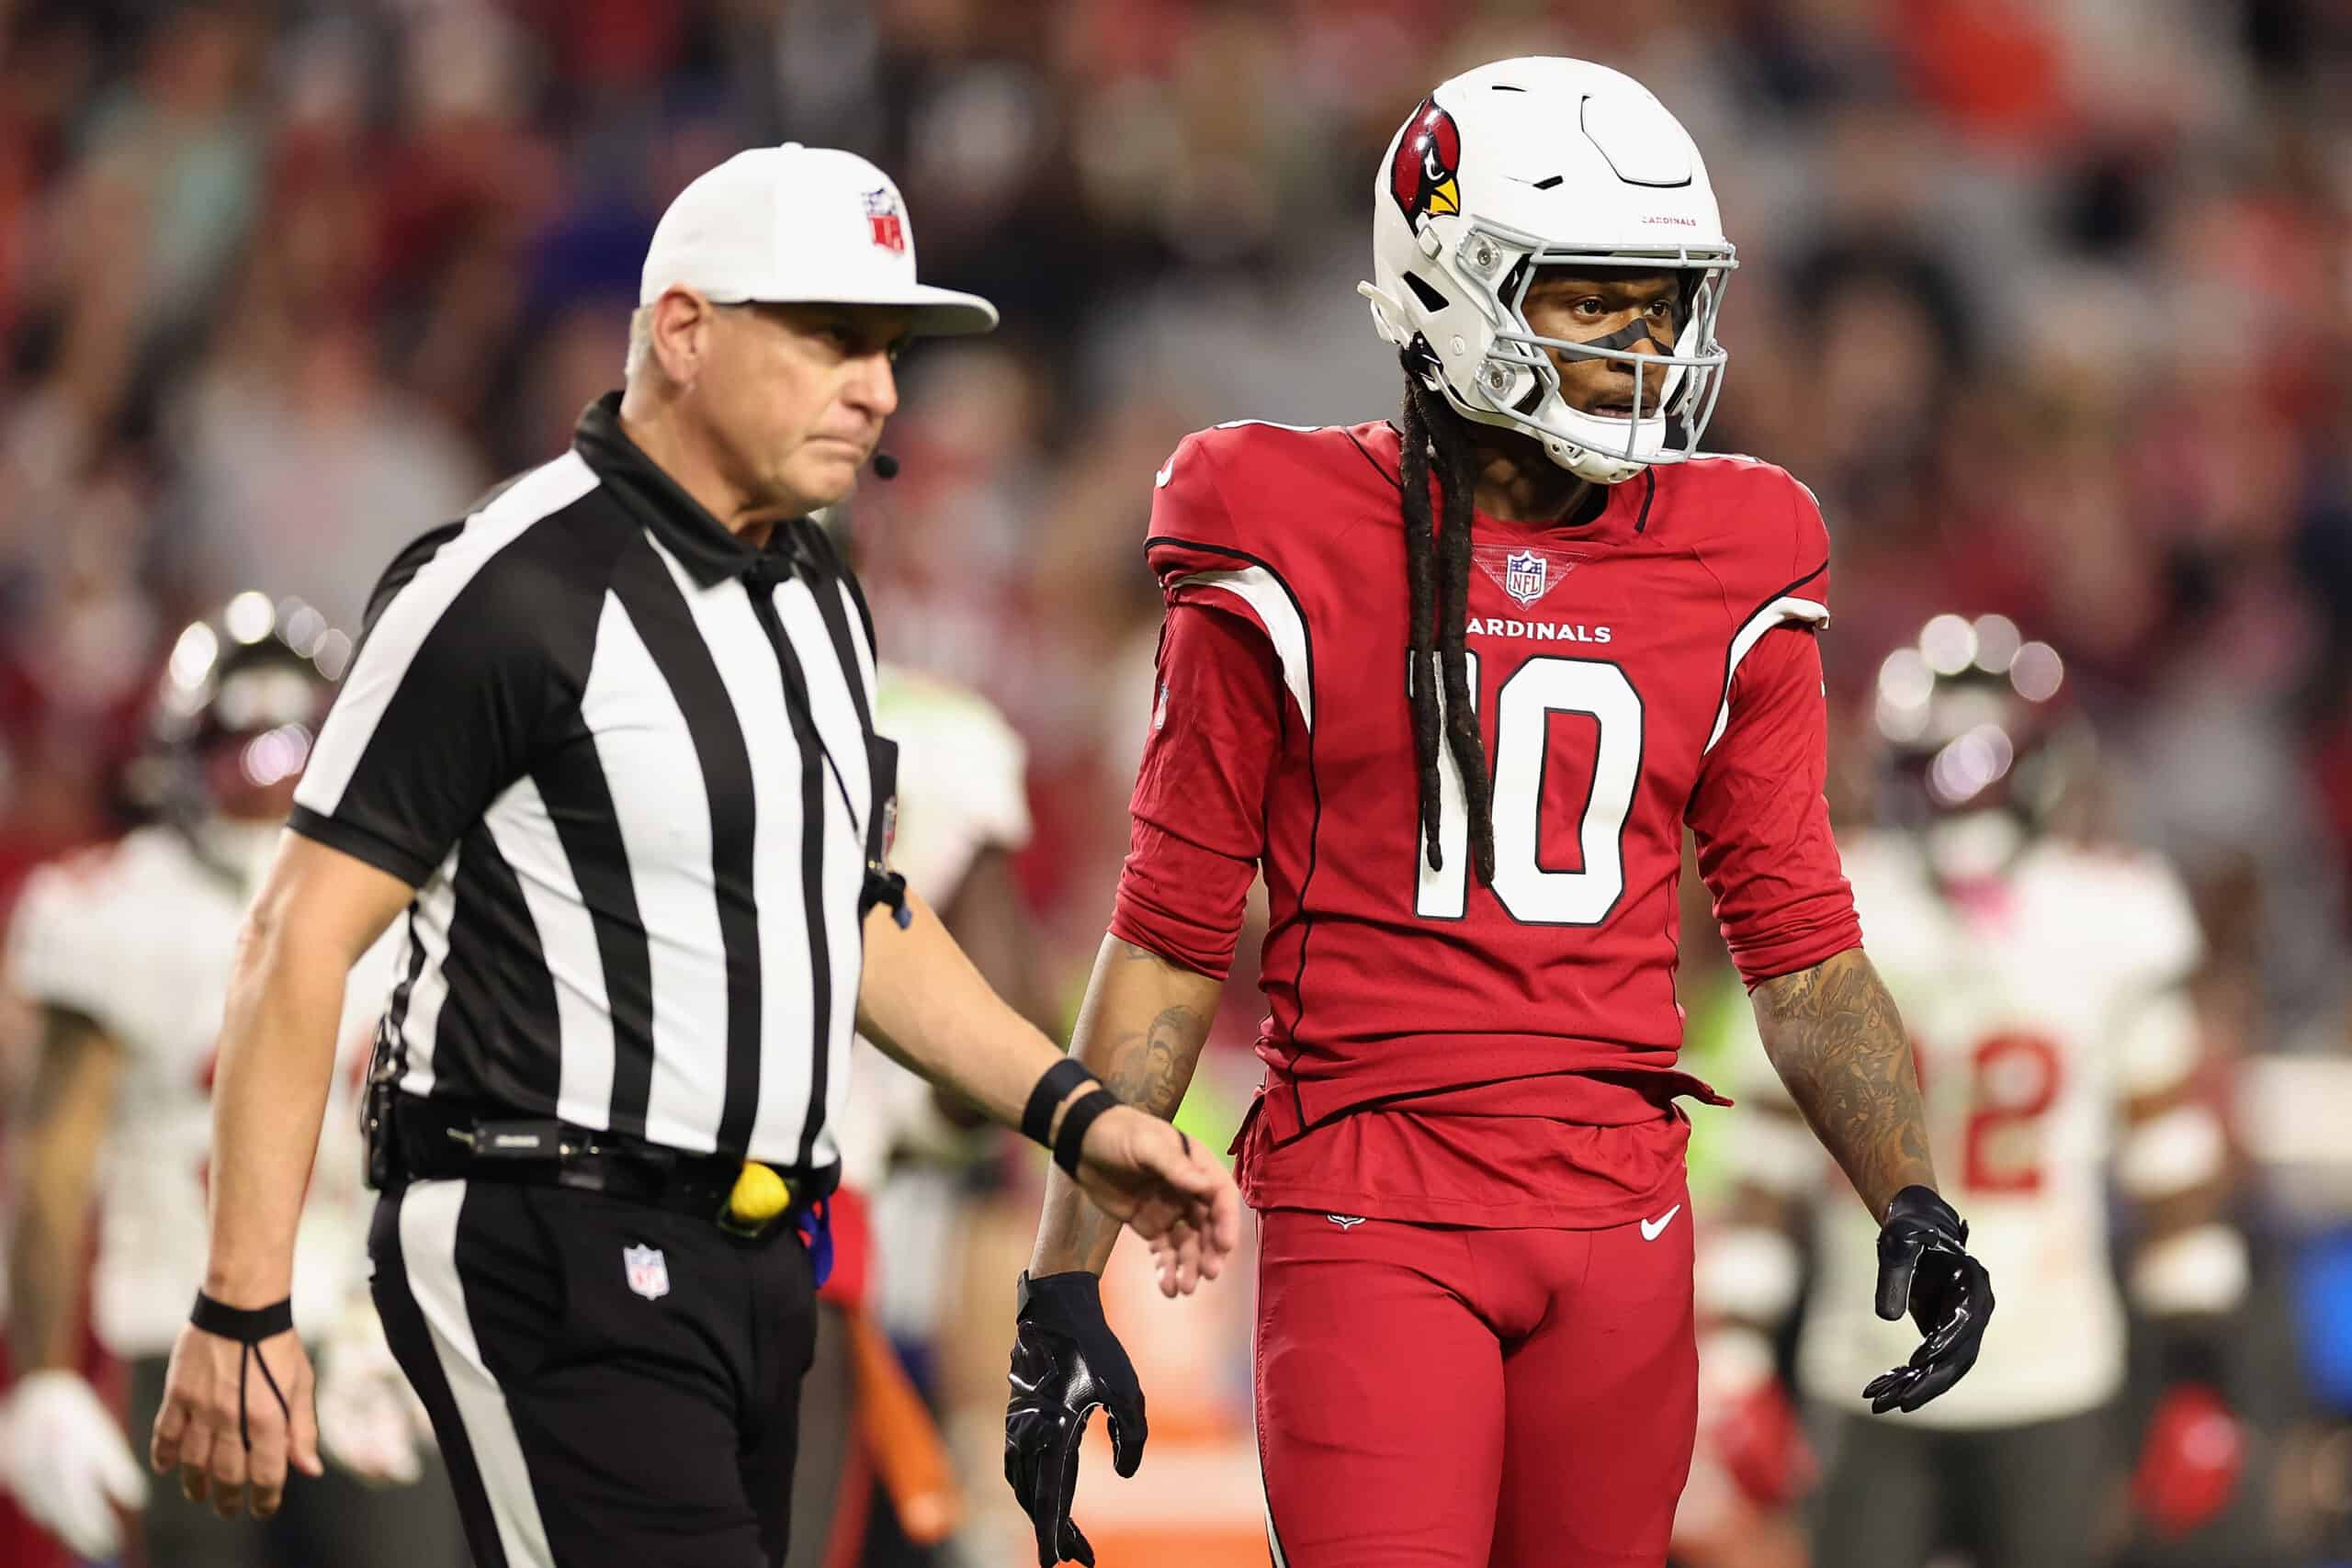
{"type": "Point", "coordinates": [885, 466]}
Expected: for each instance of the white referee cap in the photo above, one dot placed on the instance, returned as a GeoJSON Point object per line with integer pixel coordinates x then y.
{"type": "Point", "coordinates": [800, 225]}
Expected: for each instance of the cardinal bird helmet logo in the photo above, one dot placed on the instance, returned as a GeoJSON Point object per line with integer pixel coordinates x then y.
{"type": "Point", "coordinates": [1423, 178]}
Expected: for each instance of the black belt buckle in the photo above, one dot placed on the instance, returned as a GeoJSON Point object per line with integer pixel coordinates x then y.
{"type": "Point", "coordinates": [532, 1139]}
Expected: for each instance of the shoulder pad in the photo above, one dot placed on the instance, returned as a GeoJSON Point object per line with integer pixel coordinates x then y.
{"type": "Point", "coordinates": [1244, 493]}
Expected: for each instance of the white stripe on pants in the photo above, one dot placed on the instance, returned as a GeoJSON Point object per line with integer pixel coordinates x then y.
{"type": "Point", "coordinates": [429, 1212]}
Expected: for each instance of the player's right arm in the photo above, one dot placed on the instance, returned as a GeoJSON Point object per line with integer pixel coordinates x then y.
{"type": "Point", "coordinates": [65, 1122]}
{"type": "Point", "coordinates": [1140, 1029]}
{"type": "Point", "coordinates": [62, 1450]}
{"type": "Point", "coordinates": [1198, 832]}
{"type": "Point", "coordinates": [1197, 829]}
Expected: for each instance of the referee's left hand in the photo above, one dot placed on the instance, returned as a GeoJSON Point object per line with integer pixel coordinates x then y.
{"type": "Point", "coordinates": [196, 1430]}
{"type": "Point", "coordinates": [1168, 1190]}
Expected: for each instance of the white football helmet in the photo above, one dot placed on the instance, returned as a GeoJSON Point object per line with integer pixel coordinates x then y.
{"type": "Point", "coordinates": [1542, 161]}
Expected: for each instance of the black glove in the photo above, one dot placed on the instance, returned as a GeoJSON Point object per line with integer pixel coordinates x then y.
{"type": "Point", "coordinates": [1923, 1265]}
{"type": "Point", "coordinates": [1066, 1364]}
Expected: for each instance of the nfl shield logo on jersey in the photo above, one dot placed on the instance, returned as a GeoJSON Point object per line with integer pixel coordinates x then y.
{"type": "Point", "coordinates": [648, 1272]}
{"type": "Point", "coordinates": [1524, 576]}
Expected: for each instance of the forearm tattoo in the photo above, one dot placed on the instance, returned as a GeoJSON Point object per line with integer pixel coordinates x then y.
{"type": "Point", "coordinates": [1836, 1041]}
{"type": "Point", "coordinates": [1152, 1069]}
{"type": "Point", "coordinates": [1149, 1068]}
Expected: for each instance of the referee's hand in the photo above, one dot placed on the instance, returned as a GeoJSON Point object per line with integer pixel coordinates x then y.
{"type": "Point", "coordinates": [197, 1428]}
{"type": "Point", "coordinates": [1168, 1190]}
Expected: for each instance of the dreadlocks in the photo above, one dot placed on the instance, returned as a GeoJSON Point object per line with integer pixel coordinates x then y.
{"type": "Point", "coordinates": [1437, 569]}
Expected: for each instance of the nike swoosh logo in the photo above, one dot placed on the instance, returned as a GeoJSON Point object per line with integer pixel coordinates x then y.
{"type": "Point", "coordinates": [1160, 479]}
{"type": "Point", "coordinates": [1652, 1229]}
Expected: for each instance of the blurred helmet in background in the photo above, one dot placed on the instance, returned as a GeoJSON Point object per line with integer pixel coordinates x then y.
{"type": "Point", "coordinates": [1979, 741]}
{"type": "Point", "coordinates": [1547, 161]}
{"type": "Point", "coordinates": [236, 712]}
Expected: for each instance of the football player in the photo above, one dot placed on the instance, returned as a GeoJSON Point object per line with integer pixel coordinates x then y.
{"type": "Point", "coordinates": [1456, 684]}
{"type": "Point", "coordinates": [906, 1147]}
{"type": "Point", "coordinates": [2042, 977]}
{"type": "Point", "coordinates": [125, 951]}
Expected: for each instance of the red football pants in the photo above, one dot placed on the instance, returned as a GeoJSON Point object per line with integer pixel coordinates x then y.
{"type": "Point", "coordinates": [1435, 1397]}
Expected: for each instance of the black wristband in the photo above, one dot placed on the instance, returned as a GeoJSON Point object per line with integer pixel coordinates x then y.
{"type": "Point", "coordinates": [1919, 1203]}
{"type": "Point", "coordinates": [1073, 1288]}
{"type": "Point", "coordinates": [246, 1326]}
{"type": "Point", "coordinates": [1076, 1121]}
{"type": "Point", "coordinates": [1037, 1116]}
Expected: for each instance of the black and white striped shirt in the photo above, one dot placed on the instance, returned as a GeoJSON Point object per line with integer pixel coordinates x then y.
{"type": "Point", "coordinates": [624, 759]}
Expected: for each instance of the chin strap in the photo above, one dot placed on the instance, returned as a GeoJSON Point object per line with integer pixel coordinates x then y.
{"type": "Point", "coordinates": [248, 1328]}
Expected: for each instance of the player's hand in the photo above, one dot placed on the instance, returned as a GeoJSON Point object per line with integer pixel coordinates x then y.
{"type": "Point", "coordinates": [371, 1423]}
{"type": "Point", "coordinates": [69, 1463]}
{"type": "Point", "coordinates": [1168, 1190]}
{"type": "Point", "coordinates": [1924, 1268]}
{"type": "Point", "coordinates": [1066, 1364]}
{"type": "Point", "coordinates": [197, 1430]}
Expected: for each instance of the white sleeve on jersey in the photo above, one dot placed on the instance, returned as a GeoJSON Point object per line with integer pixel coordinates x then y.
{"type": "Point", "coordinates": [2157, 941]}
{"type": "Point", "coordinates": [64, 950]}
{"type": "Point", "coordinates": [963, 779]}
{"type": "Point", "coordinates": [2156, 1044]}
{"type": "Point", "coordinates": [962, 788]}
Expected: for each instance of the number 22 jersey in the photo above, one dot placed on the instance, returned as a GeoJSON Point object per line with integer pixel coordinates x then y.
{"type": "Point", "coordinates": [1436, 1050]}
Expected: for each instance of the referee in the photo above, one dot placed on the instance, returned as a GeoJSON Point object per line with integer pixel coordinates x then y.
{"type": "Point", "coordinates": [609, 743]}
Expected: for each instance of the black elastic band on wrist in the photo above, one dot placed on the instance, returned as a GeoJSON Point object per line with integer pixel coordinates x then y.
{"type": "Point", "coordinates": [1072, 1287]}
{"type": "Point", "coordinates": [1076, 1121]}
{"type": "Point", "coordinates": [1037, 1116]}
{"type": "Point", "coordinates": [248, 1326]}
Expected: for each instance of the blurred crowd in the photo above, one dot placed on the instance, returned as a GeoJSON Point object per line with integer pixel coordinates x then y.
{"type": "Point", "coordinates": [2047, 299]}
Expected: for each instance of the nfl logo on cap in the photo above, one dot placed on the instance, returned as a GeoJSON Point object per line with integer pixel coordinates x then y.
{"type": "Point", "coordinates": [800, 225]}
{"type": "Point", "coordinates": [647, 1270]}
{"type": "Point", "coordinates": [1523, 575]}
{"type": "Point", "coordinates": [883, 217]}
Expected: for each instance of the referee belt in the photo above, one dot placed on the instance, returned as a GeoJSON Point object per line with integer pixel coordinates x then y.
{"type": "Point", "coordinates": [437, 1139]}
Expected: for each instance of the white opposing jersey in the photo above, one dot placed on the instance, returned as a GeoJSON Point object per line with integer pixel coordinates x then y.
{"type": "Point", "coordinates": [2025, 999]}
{"type": "Point", "coordinates": [963, 779]}
{"type": "Point", "coordinates": [139, 936]}
{"type": "Point", "coordinates": [962, 789]}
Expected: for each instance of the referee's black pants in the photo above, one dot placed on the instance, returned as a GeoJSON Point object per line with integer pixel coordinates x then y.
{"type": "Point", "coordinates": [599, 1404]}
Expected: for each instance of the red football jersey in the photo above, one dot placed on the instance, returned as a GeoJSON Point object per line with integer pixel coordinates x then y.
{"type": "Point", "coordinates": [1515, 1045]}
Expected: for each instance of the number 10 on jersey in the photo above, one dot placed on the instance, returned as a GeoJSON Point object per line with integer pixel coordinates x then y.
{"type": "Point", "coordinates": [1532, 894]}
